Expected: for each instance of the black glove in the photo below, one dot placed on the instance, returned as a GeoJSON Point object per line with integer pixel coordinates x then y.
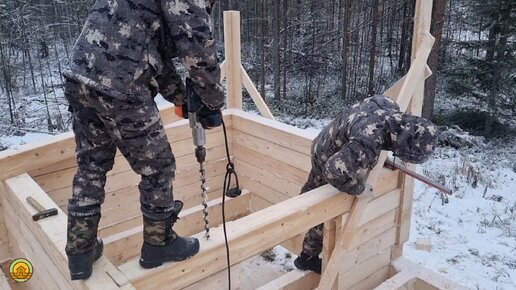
{"type": "Point", "coordinates": [207, 117]}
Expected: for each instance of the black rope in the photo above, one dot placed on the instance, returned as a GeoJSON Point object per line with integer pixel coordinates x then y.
{"type": "Point", "coordinates": [230, 170]}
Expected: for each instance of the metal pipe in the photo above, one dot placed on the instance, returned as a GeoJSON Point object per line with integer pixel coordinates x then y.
{"type": "Point", "coordinates": [391, 165]}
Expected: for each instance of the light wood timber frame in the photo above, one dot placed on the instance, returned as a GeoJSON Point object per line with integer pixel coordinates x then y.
{"type": "Point", "coordinates": [362, 237]}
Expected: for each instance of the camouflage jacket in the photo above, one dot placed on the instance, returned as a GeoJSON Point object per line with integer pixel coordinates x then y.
{"type": "Point", "coordinates": [118, 50]}
{"type": "Point", "coordinates": [348, 147]}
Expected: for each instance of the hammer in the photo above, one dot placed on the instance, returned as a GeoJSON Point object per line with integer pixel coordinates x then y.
{"type": "Point", "coordinates": [42, 212]}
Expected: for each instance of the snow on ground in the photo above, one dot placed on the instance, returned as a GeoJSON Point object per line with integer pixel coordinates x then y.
{"type": "Point", "coordinates": [474, 235]}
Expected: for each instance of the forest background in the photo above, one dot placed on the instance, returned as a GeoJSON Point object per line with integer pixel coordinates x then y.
{"type": "Point", "coordinates": [308, 58]}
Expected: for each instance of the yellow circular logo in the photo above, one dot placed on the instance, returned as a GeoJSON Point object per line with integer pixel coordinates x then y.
{"type": "Point", "coordinates": [20, 270]}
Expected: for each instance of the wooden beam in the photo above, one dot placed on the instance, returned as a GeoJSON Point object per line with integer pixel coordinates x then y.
{"type": "Point", "coordinates": [278, 168]}
{"type": "Point", "coordinates": [393, 91]}
{"type": "Point", "coordinates": [55, 149]}
{"type": "Point", "coordinates": [280, 153]}
{"type": "Point", "coordinates": [255, 95]}
{"type": "Point", "coordinates": [233, 60]}
{"type": "Point", "coordinates": [364, 270]}
{"type": "Point", "coordinates": [373, 280]}
{"type": "Point", "coordinates": [31, 156]}
{"type": "Point", "coordinates": [4, 285]}
{"type": "Point", "coordinates": [4, 238]}
{"type": "Point", "coordinates": [268, 178]}
{"type": "Point", "coordinates": [247, 237]}
{"type": "Point", "coordinates": [423, 18]}
{"type": "Point", "coordinates": [50, 234]}
{"type": "Point", "coordinates": [410, 272]}
{"type": "Point", "coordinates": [123, 246]}
{"type": "Point", "coordinates": [293, 280]}
{"type": "Point", "coordinates": [273, 131]}
{"type": "Point", "coordinates": [416, 72]}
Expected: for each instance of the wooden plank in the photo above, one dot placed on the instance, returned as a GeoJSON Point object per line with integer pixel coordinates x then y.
{"type": "Point", "coordinates": [255, 95]}
{"type": "Point", "coordinates": [263, 191]}
{"type": "Point", "coordinates": [279, 133]}
{"type": "Point", "coordinates": [4, 238]}
{"type": "Point", "coordinates": [258, 203]}
{"type": "Point", "coordinates": [294, 280]}
{"type": "Point", "coordinates": [267, 178]}
{"type": "Point", "coordinates": [119, 186]}
{"type": "Point", "coordinates": [121, 247]}
{"type": "Point", "coordinates": [4, 285]}
{"type": "Point", "coordinates": [364, 270]}
{"type": "Point", "coordinates": [36, 155]}
{"type": "Point", "coordinates": [394, 91]}
{"type": "Point", "coordinates": [399, 281]}
{"type": "Point", "coordinates": [132, 209]}
{"type": "Point", "coordinates": [356, 256]}
{"type": "Point", "coordinates": [372, 281]}
{"type": "Point", "coordinates": [32, 156]}
{"type": "Point", "coordinates": [219, 280]}
{"type": "Point", "coordinates": [329, 238]}
{"type": "Point", "coordinates": [283, 154]}
{"type": "Point", "coordinates": [350, 231]}
{"type": "Point", "coordinates": [232, 45]}
{"type": "Point", "coordinates": [51, 233]}
{"type": "Point", "coordinates": [416, 72]}
{"type": "Point", "coordinates": [411, 269]}
{"type": "Point", "coordinates": [421, 32]}
{"type": "Point", "coordinates": [247, 237]}
{"type": "Point", "coordinates": [62, 179]}
{"type": "Point", "coordinates": [278, 168]}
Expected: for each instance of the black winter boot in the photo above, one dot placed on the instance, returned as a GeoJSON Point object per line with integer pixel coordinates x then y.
{"type": "Point", "coordinates": [82, 247]}
{"type": "Point", "coordinates": [161, 244]}
{"type": "Point", "coordinates": [305, 262]}
{"type": "Point", "coordinates": [81, 265]}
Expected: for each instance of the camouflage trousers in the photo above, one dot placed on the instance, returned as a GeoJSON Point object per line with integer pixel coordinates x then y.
{"type": "Point", "coordinates": [101, 125]}
{"type": "Point", "coordinates": [313, 241]}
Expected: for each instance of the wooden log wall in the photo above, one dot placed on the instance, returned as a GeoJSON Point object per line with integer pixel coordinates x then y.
{"type": "Point", "coordinates": [273, 161]}
{"type": "Point", "coordinates": [121, 209]}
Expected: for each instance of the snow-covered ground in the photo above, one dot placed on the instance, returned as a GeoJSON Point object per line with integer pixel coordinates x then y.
{"type": "Point", "coordinates": [474, 235]}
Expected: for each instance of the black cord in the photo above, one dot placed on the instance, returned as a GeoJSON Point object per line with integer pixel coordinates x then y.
{"type": "Point", "coordinates": [230, 169]}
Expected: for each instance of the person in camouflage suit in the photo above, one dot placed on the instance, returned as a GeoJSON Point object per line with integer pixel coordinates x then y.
{"type": "Point", "coordinates": [347, 149]}
{"type": "Point", "coordinates": [121, 60]}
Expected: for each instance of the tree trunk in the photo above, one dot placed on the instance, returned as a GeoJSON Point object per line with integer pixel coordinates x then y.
{"type": "Point", "coordinates": [345, 46]}
{"type": "Point", "coordinates": [276, 48]}
{"type": "Point", "coordinates": [372, 53]}
{"type": "Point", "coordinates": [436, 30]}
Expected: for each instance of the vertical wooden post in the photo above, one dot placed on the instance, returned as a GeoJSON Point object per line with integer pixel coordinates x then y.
{"type": "Point", "coordinates": [422, 18]}
{"type": "Point", "coordinates": [233, 61]}
{"type": "Point", "coordinates": [331, 233]}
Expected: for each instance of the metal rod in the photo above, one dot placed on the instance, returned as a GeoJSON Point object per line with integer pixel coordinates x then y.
{"type": "Point", "coordinates": [391, 165]}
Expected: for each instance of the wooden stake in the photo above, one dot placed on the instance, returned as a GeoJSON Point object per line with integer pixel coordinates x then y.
{"type": "Point", "coordinates": [233, 58]}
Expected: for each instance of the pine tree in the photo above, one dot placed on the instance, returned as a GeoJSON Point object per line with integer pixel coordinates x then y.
{"type": "Point", "coordinates": [488, 70]}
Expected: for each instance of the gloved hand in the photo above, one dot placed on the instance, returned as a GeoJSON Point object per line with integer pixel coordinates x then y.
{"type": "Point", "coordinates": [207, 117]}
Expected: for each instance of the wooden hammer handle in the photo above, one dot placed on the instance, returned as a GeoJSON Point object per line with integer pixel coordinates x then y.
{"type": "Point", "coordinates": [35, 204]}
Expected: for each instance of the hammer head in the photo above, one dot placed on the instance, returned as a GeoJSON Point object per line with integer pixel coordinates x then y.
{"type": "Point", "coordinates": [44, 214]}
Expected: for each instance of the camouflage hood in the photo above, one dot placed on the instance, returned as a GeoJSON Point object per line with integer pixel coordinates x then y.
{"type": "Point", "coordinates": [412, 138]}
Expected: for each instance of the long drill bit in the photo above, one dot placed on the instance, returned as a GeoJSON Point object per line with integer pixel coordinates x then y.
{"type": "Point", "coordinates": [204, 200]}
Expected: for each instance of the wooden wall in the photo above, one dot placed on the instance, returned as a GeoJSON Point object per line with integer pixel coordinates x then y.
{"type": "Point", "coordinates": [273, 162]}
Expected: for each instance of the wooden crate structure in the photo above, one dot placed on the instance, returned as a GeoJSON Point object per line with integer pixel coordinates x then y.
{"type": "Point", "coordinates": [272, 160]}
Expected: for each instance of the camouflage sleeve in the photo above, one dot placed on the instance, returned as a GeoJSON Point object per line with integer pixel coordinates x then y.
{"type": "Point", "coordinates": [191, 33]}
{"type": "Point", "coordinates": [348, 169]}
{"type": "Point", "coordinates": [170, 84]}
